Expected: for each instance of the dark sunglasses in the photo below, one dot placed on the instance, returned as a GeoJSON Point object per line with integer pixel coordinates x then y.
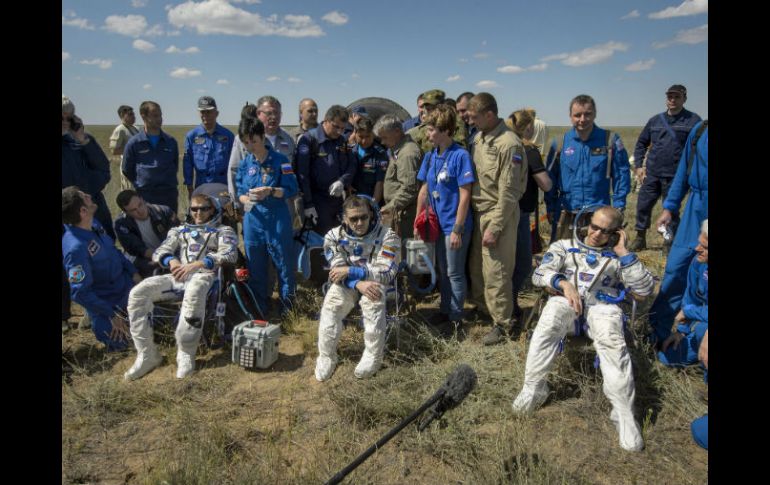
{"type": "Point", "coordinates": [202, 208]}
{"type": "Point", "coordinates": [606, 232]}
{"type": "Point", "coordinates": [356, 220]}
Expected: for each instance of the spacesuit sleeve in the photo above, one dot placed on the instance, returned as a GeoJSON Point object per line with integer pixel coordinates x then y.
{"type": "Point", "coordinates": [384, 265]}
{"type": "Point", "coordinates": [333, 255]}
{"type": "Point", "coordinates": [621, 174]}
{"type": "Point", "coordinates": [168, 247]}
{"type": "Point", "coordinates": [635, 276]}
{"type": "Point", "coordinates": [549, 273]}
{"type": "Point", "coordinates": [694, 308]}
{"type": "Point", "coordinates": [80, 276]}
{"type": "Point", "coordinates": [227, 248]}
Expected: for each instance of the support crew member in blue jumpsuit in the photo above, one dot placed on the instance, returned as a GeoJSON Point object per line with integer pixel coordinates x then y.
{"type": "Point", "coordinates": [207, 148]}
{"type": "Point", "coordinates": [99, 275]}
{"type": "Point", "coordinates": [325, 169]}
{"type": "Point", "coordinates": [584, 176]}
{"type": "Point", "coordinates": [681, 347]}
{"type": "Point", "coordinates": [691, 174]}
{"type": "Point", "coordinates": [664, 135]}
{"type": "Point", "coordinates": [265, 179]}
{"type": "Point", "coordinates": [151, 160]}
{"type": "Point", "coordinates": [371, 161]}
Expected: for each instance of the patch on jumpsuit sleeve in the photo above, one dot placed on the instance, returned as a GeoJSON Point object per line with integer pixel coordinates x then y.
{"type": "Point", "coordinates": [93, 248]}
{"type": "Point", "coordinates": [286, 169]}
{"type": "Point", "coordinates": [304, 149]}
{"type": "Point", "coordinates": [547, 258]}
{"type": "Point", "coordinates": [388, 252]}
{"type": "Point", "coordinates": [77, 274]}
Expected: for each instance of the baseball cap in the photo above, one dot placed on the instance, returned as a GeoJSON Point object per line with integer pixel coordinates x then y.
{"type": "Point", "coordinates": [434, 96]}
{"type": "Point", "coordinates": [206, 103]}
{"type": "Point", "coordinates": [677, 88]}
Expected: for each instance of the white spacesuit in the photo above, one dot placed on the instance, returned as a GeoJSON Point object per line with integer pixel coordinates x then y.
{"type": "Point", "coordinates": [211, 243]}
{"type": "Point", "coordinates": [372, 257]}
{"type": "Point", "coordinates": [599, 276]}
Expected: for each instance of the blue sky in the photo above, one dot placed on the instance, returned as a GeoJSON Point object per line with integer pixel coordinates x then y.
{"type": "Point", "coordinates": [541, 54]}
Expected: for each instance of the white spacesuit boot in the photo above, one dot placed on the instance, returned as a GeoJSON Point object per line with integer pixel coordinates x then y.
{"type": "Point", "coordinates": [191, 318]}
{"type": "Point", "coordinates": [337, 304]}
{"type": "Point", "coordinates": [147, 359]}
{"type": "Point", "coordinates": [629, 433]}
{"type": "Point", "coordinates": [140, 303]}
{"type": "Point", "coordinates": [531, 397]}
{"type": "Point", "coordinates": [374, 336]}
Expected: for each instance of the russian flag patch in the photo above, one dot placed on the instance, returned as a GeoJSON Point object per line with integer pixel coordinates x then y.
{"type": "Point", "coordinates": [388, 253]}
{"type": "Point", "coordinates": [286, 168]}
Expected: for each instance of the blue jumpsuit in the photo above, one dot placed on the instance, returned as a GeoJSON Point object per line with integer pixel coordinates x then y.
{"type": "Point", "coordinates": [267, 228]}
{"type": "Point", "coordinates": [372, 163]}
{"type": "Point", "coordinates": [695, 306]}
{"type": "Point", "coordinates": [669, 299]}
{"type": "Point", "coordinates": [100, 277]}
{"type": "Point", "coordinates": [153, 170]}
{"type": "Point", "coordinates": [207, 156]}
{"type": "Point", "coordinates": [322, 161]}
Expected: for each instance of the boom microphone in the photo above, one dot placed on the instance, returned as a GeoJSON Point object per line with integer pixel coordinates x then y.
{"type": "Point", "coordinates": [459, 384]}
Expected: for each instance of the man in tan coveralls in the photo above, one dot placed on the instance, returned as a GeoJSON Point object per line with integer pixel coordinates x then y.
{"type": "Point", "coordinates": [401, 186]}
{"type": "Point", "coordinates": [419, 133]}
{"type": "Point", "coordinates": [501, 174]}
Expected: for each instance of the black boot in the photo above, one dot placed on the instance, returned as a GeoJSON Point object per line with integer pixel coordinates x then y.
{"type": "Point", "coordinates": [640, 242]}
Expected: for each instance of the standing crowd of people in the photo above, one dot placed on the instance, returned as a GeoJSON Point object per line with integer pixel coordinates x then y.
{"type": "Point", "coordinates": [456, 175]}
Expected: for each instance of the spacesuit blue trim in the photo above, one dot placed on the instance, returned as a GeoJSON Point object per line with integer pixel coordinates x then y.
{"type": "Point", "coordinates": [556, 279]}
{"type": "Point", "coordinates": [628, 260]}
{"type": "Point", "coordinates": [356, 272]}
{"type": "Point", "coordinates": [165, 260]}
{"type": "Point", "coordinates": [208, 262]}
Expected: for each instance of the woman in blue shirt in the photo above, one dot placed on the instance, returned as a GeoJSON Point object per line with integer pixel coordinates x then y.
{"type": "Point", "coordinates": [448, 174]}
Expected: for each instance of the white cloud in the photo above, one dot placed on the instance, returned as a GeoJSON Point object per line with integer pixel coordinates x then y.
{"type": "Point", "coordinates": [273, 79]}
{"type": "Point", "coordinates": [590, 55]}
{"type": "Point", "coordinates": [487, 84]}
{"type": "Point", "coordinates": [483, 42]}
{"type": "Point", "coordinates": [174, 33]}
{"type": "Point", "coordinates": [248, 2]}
{"type": "Point", "coordinates": [691, 36]}
{"type": "Point", "coordinates": [138, 3]}
{"type": "Point", "coordinates": [155, 30]}
{"type": "Point", "coordinates": [130, 25]}
{"type": "Point", "coordinates": [481, 55]}
{"type": "Point", "coordinates": [294, 80]}
{"type": "Point", "coordinates": [336, 18]}
{"type": "Point", "coordinates": [510, 69]}
{"type": "Point", "coordinates": [630, 15]}
{"type": "Point", "coordinates": [219, 17]}
{"type": "Point", "coordinates": [641, 65]}
{"type": "Point", "coordinates": [72, 20]}
{"type": "Point", "coordinates": [172, 49]}
{"type": "Point", "coordinates": [538, 67]}
{"type": "Point", "coordinates": [102, 63]}
{"type": "Point", "coordinates": [223, 81]}
{"type": "Point", "coordinates": [143, 45]}
{"type": "Point", "coordinates": [147, 87]}
{"type": "Point", "coordinates": [65, 55]}
{"type": "Point", "coordinates": [454, 78]}
{"type": "Point", "coordinates": [687, 8]}
{"type": "Point", "coordinates": [463, 60]}
{"type": "Point", "coordinates": [184, 73]}
{"type": "Point", "coordinates": [355, 75]}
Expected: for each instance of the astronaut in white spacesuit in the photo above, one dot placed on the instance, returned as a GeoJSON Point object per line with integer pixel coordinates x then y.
{"type": "Point", "coordinates": [363, 256]}
{"type": "Point", "coordinates": [589, 276]}
{"type": "Point", "coordinates": [191, 252]}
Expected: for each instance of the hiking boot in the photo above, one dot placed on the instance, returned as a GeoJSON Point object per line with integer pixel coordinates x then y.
{"type": "Point", "coordinates": [85, 322]}
{"type": "Point", "coordinates": [640, 243]}
{"type": "Point", "coordinates": [629, 434]}
{"type": "Point", "coordinates": [496, 335]}
{"type": "Point", "coordinates": [438, 318]}
{"type": "Point", "coordinates": [145, 362]}
{"type": "Point", "coordinates": [185, 364]}
{"type": "Point", "coordinates": [530, 398]}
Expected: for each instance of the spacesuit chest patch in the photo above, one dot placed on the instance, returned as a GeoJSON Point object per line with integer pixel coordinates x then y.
{"type": "Point", "coordinates": [195, 247]}
{"type": "Point", "coordinates": [93, 248]}
{"type": "Point", "coordinates": [585, 276]}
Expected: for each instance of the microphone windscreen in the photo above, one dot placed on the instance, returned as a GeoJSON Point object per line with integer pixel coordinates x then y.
{"type": "Point", "coordinates": [459, 384]}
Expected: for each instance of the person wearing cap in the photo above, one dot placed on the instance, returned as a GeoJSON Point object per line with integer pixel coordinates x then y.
{"type": "Point", "coordinates": [419, 133]}
{"type": "Point", "coordinates": [206, 148]}
{"type": "Point", "coordinates": [412, 122]}
{"type": "Point", "coordinates": [591, 161]}
{"type": "Point", "coordinates": [501, 180]}
{"type": "Point", "coordinates": [325, 168]}
{"type": "Point", "coordinates": [120, 136]}
{"type": "Point", "coordinates": [308, 118]}
{"type": "Point", "coordinates": [662, 139]}
{"type": "Point", "coordinates": [356, 113]}
{"type": "Point", "coordinates": [151, 160]}
{"type": "Point", "coordinates": [400, 186]}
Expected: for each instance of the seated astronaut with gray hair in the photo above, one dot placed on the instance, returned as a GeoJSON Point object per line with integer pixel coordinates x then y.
{"type": "Point", "coordinates": [591, 275]}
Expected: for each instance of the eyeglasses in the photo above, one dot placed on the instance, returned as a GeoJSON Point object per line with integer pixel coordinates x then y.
{"type": "Point", "coordinates": [357, 219]}
{"type": "Point", "coordinates": [606, 232]}
{"type": "Point", "coordinates": [201, 208]}
{"type": "Point", "coordinates": [271, 114]}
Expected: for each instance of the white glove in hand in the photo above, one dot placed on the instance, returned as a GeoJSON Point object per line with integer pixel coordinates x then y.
{"type": "Point", "coordinates": [310, 213]}
{"type": "Point", "coordinates": [336, 189]}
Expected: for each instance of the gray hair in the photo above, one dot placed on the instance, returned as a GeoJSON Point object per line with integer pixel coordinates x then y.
{"type": "Point", "coordinates": [388, 122]}
{"type": "Point", "coordinates": [704, 228]}
{"type": "Point", "coordinates": [268, 100]}
{"type": "Point", "coordinates": [67, 106]}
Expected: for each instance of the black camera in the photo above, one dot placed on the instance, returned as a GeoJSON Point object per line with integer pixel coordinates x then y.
{"type": "Point", "coordinates": [75, 123]}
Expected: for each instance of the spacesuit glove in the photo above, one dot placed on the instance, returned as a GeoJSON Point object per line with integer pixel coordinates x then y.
{"type": "Point", "coordinates": [336, 189]}
{"type": "Point", "coordinates": [310, 213]}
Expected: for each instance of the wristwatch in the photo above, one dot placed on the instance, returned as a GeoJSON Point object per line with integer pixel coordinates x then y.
{"type": "Point", "coordinates": [459, 229]}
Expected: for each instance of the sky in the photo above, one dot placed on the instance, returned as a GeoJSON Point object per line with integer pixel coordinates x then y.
{"type": "Point", "coordinates": [624, 53]}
